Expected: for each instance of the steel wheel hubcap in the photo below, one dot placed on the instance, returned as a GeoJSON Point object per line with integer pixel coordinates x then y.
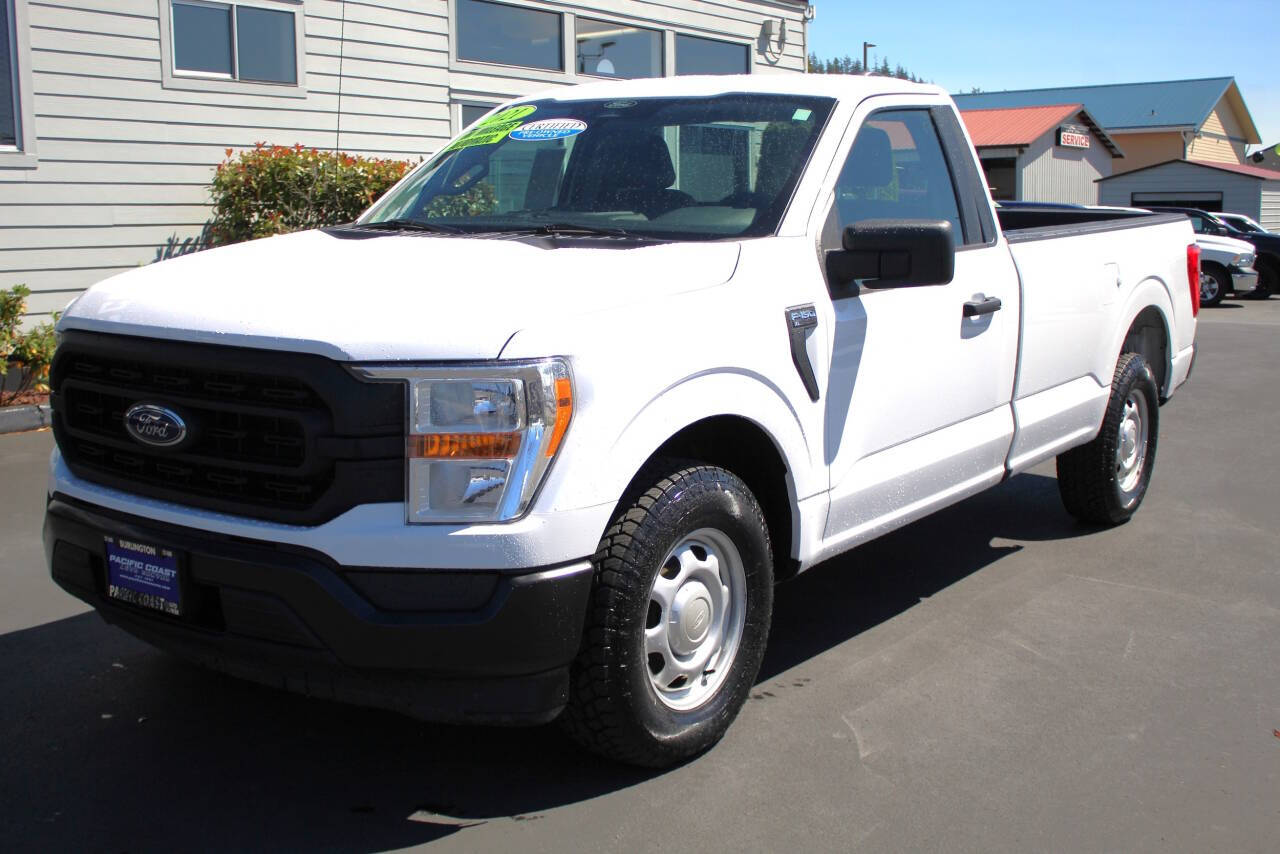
{"type": "Point", "coordinates": [1131, 449]}
{"type": "Point", "coordinates": [697, 609]}
{"type": "Point", "coordinates": [1208, 287]}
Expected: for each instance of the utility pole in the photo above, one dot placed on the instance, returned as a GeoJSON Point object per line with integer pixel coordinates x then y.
{"type": "Point", "coordinates": [865, 45]}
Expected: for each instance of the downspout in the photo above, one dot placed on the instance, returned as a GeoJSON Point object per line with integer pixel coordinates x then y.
{"type": "Point", "coordinates": [342, 49]}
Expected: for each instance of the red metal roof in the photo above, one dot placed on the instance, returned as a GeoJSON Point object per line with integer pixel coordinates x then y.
{"type": "Point", "coordinates": [1241, 168]}
{"type": "Point", "coordinates": [1015, 125]}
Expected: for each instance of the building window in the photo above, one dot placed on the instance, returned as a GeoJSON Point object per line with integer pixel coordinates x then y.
{"type": "Point", "coordinates": [707, 56]}
{"type": "Point", "coordinates": [233, 41]}
{"type": "Point", "coordinates": [17, 124]}
{"type": "Point", "coordinates": [472, 113]}
{"type": "Point", "coordinates": [617, 50]}
{"type": "Point", "coordinates": [510, 35]}
{"type": "Point", "coordinates": [9, 130]}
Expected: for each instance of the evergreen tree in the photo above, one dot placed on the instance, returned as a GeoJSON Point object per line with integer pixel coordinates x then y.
{"type": "Point", "coordinates": [848, 65]}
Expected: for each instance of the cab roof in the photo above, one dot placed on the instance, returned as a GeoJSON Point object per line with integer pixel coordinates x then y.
{"type": "Point", "coordinates": [840, 86]}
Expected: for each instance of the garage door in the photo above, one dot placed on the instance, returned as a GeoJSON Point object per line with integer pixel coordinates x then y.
{"type": "Point", "coordinates": [1206, 201]}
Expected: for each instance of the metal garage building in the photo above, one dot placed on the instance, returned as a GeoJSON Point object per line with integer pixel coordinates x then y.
{"type": "Point", "coordinates": [1250, 190]}
{"type": "Point", "coordinates": [1042, 154]}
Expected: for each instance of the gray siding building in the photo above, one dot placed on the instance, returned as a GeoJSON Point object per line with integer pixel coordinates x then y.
{"type": "Point", "coordinates": [1053, 153]}
{"type": "Point", "coordinates": [1250, 190]}
{"type": "Point", "coordinates": [114, 113]}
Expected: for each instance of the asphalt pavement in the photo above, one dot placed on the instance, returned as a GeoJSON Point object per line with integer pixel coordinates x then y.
{"type": "Point", "coordinates": [993, 678]}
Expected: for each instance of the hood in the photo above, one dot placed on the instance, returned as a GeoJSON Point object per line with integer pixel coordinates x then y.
{"type": "Point", "coordinates": [389, 297]}
{"type": "Point", "coordinates": [1268, 242]}
{"type": "Point", "coordinates": [1224, 244]}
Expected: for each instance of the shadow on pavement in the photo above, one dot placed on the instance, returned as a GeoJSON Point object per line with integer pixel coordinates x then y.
{"type": "Point", "coordinates": [856, 591]}
{"type": "Point", "coordinates": [110, 745]}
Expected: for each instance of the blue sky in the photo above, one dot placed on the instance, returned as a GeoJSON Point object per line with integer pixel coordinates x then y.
{"type": "Point", "coordinates": [1028, 44]}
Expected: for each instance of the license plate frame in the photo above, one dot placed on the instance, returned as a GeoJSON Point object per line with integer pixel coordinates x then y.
{"type": "Point", "coordinates": [144, 575]}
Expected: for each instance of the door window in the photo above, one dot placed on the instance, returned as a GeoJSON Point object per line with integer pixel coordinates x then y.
{"type": "Point", "coordinates": [896, 170]}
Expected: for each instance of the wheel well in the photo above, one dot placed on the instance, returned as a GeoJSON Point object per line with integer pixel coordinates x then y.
{"type": "Point", "coordinates": [744, 448]}
{"type": "Point", "coordinates": [1149, 337]}
{"type": "Point", "coordinates": [1207, 265]}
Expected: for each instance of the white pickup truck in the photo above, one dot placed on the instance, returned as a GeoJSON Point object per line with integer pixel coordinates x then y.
{"type": "Point", "coordinates": [537, 435]}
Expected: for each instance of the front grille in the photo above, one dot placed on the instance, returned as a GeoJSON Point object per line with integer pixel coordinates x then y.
{"type": "Point", "coordinates": [282, 436]}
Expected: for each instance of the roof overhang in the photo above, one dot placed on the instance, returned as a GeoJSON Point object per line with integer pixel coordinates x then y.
{"type": "Point", "coordinates": [1200, 164]}
{"type": "Point", "coordinates": [1162, 129]}
{"type": "Point", "coordinates": [1101, 134]}
{"type": "Point", "coordinates": [1236, 100]}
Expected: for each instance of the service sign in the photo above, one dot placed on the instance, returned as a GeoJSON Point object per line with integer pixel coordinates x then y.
{"type": "Point", "coordinates": [1073, 136]}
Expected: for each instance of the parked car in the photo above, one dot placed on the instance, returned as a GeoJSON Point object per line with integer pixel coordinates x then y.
{"type": "Point", "coordinates": [536, 436]}
{"type": "Point", "coordinates": [1266, 245]}
{"type": "Point", "coordinates": [1240, 222]}
{"type": "Point", "coordinates": [1226, 266]}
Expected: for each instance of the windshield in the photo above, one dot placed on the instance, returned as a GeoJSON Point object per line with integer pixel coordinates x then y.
{"type": "Point", "coordinates": [666, 168]}
{"type": "Point", "coordinates": [1243, 223]}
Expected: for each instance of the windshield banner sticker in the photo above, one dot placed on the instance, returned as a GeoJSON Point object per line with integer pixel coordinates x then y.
{"type": "Point", "coordinates": [493, 129]}
{"type": "Point", "coordinates": [548, 129]}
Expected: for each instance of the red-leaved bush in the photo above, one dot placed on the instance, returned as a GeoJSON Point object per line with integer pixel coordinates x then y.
{"type": "Point", "coordinates": [275, 189]}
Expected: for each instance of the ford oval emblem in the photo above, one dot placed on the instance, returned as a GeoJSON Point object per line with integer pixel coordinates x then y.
{"type": "Point", "coordinates": [154, 425]}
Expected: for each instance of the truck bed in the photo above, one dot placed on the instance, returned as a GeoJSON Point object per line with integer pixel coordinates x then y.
{"type": "Point", "coordinates": [1021, 224]}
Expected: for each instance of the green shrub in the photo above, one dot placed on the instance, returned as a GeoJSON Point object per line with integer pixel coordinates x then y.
{"type": "Point", "coordinates": [274, 189]}
{"type": "Point", "coordinates": [30, 352]}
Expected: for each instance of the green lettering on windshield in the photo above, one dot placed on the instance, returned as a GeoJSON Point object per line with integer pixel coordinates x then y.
{"type": "Point", "coordinates": [493, 129]}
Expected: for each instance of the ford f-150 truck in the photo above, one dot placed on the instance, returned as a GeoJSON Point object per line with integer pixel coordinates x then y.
{"type": "Point", "coordinates": [535, 437]}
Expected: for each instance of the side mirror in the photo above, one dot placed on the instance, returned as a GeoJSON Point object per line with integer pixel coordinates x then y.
{"type": "Point", "coordinates": [894, 253]}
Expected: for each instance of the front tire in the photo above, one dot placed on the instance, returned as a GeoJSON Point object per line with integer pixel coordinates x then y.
{"type": "Point", "coordinates": [1214, 284]}
{"type": "Point", "coordinates": [1106, 480]}
{"type": "Point", "coordinates": [1268, 279]}
{"type": "Point", "coordinates": [678, 620]}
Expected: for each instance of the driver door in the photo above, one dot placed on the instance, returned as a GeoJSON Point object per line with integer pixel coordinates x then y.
{"type": "Point", "coordinates": [918, 405]}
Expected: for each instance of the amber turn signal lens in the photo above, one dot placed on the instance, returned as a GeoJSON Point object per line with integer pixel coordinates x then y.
{"type": "Point", "coordinates": [564, 410]}
{"type": "Point", "coordinates": [468, 446]}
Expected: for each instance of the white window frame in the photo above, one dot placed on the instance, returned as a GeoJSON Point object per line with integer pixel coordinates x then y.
{"type": "Point", "coordinates": [204, 81]}
{"type": "Point", "coordinates": [456, 123]}
{"type": "Point", "coordinates": [21, 155]}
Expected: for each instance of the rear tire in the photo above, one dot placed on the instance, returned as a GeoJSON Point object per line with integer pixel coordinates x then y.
{"type": "Point", "coordinates": [678, 618]}
{"type": "Point", "coordinates": [1106, 480]}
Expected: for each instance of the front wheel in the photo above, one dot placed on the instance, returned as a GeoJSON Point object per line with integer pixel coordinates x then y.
{"type": "Point", "coordinates": [678, 620]}
{"type": "Point", "coordinates": [1268, 280]}
{"type": "Point", "coordinates": [1214, 284]}
{"type": "Point", "coordinates": [1106, 480]}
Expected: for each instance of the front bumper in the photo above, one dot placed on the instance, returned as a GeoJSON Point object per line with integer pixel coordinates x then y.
{"type": "Point", "coordinates": [459, 646]}
{"type": "Point", "coordinates": [1243, 280]}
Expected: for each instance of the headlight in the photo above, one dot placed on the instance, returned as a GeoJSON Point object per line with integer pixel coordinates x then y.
{"type": "Point", "coordinates": [480, 438]}
{"type": "Point", "coordinates": [1245, 260]}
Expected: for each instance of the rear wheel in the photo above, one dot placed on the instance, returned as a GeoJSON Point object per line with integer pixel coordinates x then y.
{"type": "Point", "coordinates": [678, 619]}
{"type": "Point", "coordinates": [1106, 480]}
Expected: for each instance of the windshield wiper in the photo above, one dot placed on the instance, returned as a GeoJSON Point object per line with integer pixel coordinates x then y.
{"type": "Point", "coordinates": [566, 229]}
{"type": "Point", "coordinates": [406, 224]}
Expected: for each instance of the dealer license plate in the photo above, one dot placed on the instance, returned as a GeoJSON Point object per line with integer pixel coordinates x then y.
{"type": "Point", "coordinates": [143, 574]}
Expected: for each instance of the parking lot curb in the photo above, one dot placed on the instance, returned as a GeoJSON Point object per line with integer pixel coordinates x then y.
{"type": "Point", "coordinates": [15, 419]}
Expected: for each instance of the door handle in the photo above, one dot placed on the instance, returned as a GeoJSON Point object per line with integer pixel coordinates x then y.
{"type": "Point", "coordinates": [976, 308]}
